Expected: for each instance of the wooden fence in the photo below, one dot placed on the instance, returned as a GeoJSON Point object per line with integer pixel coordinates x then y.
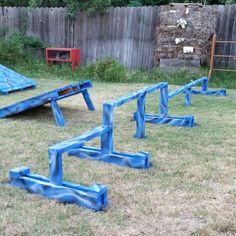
{"type": "Point", "coordinates": [127, 34]}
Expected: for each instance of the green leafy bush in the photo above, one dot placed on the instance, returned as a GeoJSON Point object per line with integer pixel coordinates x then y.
{"type": "Point", "coordinates": [17, 48]}
{"type": "Point", "coordinates": [108, 70]}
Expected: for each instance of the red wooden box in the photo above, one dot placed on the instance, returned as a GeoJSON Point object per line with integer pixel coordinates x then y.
{"type": "Point", "coordinates": [71, 55]}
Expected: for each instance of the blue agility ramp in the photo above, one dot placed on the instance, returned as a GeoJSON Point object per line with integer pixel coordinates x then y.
{"type": "Point", "coordinates": [188, 91]}
{"type": "Point", "coordinates": [11, 81]}
{"type": "Point", "coordinates": [51, 97]}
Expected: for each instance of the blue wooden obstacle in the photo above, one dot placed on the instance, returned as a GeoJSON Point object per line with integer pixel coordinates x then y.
{"type": "Point", "coordinates": [162, 118]}
{"type": "Point", "coordinates": [51, 97]}
{"type": "Point", "coordinates": [106, 153]}
{"type": "Point", "coordinates": [11, 81]}
{"type": "Point", "coordinates": [94, 197]}
{"type": "Point", "coordinates": [188, 91]}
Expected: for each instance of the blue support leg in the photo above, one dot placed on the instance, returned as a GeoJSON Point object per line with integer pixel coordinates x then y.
{"type": "Point", "coordinates": [140, 120]}
{"type": "Point", "coordinates": [59, 119]}
{"type": "Point", "coordinates": [163, 104]}
{"type": "Point", "coordinates": [88, 100]}
{"type": "Point", "coordinates": [185, 121]}
{"type": "Point", "coordinates": [188, 99]}
{"type": "Point", "coordinates": [204, 84]}
{"type": "Point", "coordinates": [108, 120]}
{"type": "Point", "coordinates": [55, 166]}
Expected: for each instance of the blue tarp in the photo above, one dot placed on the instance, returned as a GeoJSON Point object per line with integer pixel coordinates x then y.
{"type": "Point", "coordinates": [11, 81]}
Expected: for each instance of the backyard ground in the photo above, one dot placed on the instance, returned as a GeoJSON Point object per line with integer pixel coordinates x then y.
{"type": "Point", "coordinates": [190, 190]}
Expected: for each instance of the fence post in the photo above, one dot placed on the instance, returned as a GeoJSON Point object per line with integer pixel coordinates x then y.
{"type": "Point", "coordinates": [212, 56]}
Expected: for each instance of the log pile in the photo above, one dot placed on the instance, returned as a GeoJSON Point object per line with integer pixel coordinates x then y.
{"type": "Point", "coordinates": [182, 25]}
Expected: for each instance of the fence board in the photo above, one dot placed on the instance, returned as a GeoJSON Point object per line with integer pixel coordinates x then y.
{"type": "Point", "coordinates": [126, 34]}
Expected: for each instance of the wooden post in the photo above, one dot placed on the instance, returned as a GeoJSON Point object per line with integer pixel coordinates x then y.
{"type": "Point", "coordinates": [212, 56]}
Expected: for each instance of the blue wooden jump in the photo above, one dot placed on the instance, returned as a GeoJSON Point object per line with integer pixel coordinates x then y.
{"type": "Point", "coordinates": [188, 91]}
{"type": "Point", "coordinates": [94, 197]}
{"type": "Point", "coordinates": [11, 81]}
{"type": "Point", "coordinates": [107, 153]}
{"type": "Point", "coordinates": [51, 97]}
{"type": "Point", "coordinates": [162, 118]}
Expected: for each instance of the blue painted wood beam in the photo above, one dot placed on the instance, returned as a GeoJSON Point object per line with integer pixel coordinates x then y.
{"type": "Point", "coordinates": [133, 96]}
{"type": "Point", "coordinates": [188, 91]}
{"type": "Point", "coordinates": [80, 140]}
{"type": "Point", "coordinates": [186, 86]}
{"type": "Point", "coordinates": [140, 160]}
{"type": "Point", "coordinates": [185, 121]}
{"type": "Point", "coordinates": [93, 197]}
{"type": "Point", "coordinates": [219, 92]}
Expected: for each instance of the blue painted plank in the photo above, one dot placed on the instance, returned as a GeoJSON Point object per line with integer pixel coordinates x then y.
{"type": "Point", "coordinates": [88, 100]}
{"type": "Point", "coordinates": [93, 197]}
{"type": "Point", "coordinates": [219, 92]}
{"type": "Point", "coordinates": [12, 81]}
{"type": "Point", "coordinates": [187, 89]}
{"type": "Point", "coordinates": [186, 86]}
{"type": "Point", "coordinates": [79, 141]}
{"type": "Point", "coordinates": [185, 121]}
{"type": "Point", "coordinates": [140, 160]}
{"type": "Point", "coordinates": [50, 97]}
{"type": "Point", "coordinates": [133, 96]}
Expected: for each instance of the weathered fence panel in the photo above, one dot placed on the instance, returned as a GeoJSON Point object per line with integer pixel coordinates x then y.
{"type": "Point", "coordinates": [127, 34]}
{"type": "Point", "coordinates": [226, 31]}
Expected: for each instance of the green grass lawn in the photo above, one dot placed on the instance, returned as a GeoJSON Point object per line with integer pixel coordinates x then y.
{"type": "Point", "coordinates": [190, 190]}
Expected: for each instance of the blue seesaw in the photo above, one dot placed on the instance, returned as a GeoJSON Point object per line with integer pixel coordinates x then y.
{"type": "Point", "coordinates": [51, 97]}
{"type": "Point", "coordinates": [11, 81]}
{"type": "Point", "coordinates": [188, 91]}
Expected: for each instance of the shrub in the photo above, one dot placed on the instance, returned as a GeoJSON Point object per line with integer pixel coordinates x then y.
{"type": "Point", "coordinates": [17, 48]}
{"type": "Point", "coordinates": [108, 70]}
